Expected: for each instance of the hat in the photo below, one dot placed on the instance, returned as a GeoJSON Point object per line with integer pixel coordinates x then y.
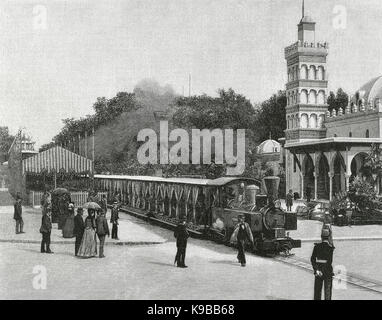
{"type": "Point", "coordinates": [241, 216]}
{"type": "Point", "coordinates": [325, 233]}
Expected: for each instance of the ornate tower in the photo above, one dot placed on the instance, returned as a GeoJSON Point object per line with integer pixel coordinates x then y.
{"type": "Point", "coordinates": [307, 84]}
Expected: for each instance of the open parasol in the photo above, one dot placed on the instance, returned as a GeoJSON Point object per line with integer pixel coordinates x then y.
{"type": "Point", "coordinates": [91, 205]}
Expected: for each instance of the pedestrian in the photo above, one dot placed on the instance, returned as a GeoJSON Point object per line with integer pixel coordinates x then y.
{"type": "Point", "coordinates": [181, 234]}
{"type": "Point", "coordinates": [88, 247]}
{"type": "Point", "coordinates": [18, 215]}
{"type": "Point", "coordinates": [45, 230]}
{"type": "Point", "coordinates": [114, 221]}
{"type": "Point", "coordinates": [102, 230]}
{"type": "Point", "coordinates": [289, 200]}
{"type": "Point", "coordinates": [241, 235]}
{"type": "Point", "coordinates": [79, 228]}
{"type": "Point", "coordinates": [308, 194]}
{"type": "Point", "coordinates": [104, 204]}
{"type": "Point", "coordinates": [321, 259]}
{"type": "Point", "coordinates": [67, 230]}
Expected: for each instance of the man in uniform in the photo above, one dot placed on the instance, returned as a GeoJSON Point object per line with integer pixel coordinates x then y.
{"type": "Point", "coordinates": [241, 235]}
{"type": "Point", "coordinates": [181, 234]}
{"type": "Point", "coordinates": [322, 258]}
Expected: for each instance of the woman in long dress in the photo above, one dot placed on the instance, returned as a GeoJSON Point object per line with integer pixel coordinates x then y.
{"type": "Point", "coordinates": [88, 246]}
{"type": "Point", "coordinates": [67, 231]}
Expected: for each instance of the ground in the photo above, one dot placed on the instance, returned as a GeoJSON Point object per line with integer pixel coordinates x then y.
{"type": "Point", "coordinates": [139, 269]}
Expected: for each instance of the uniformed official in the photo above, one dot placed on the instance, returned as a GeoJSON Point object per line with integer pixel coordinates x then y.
{"type": "Point", "coordinates": [322, 258]}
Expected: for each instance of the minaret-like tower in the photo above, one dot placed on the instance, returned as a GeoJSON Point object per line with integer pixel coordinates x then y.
{"type": "Point", "coordinates": [307, 84]}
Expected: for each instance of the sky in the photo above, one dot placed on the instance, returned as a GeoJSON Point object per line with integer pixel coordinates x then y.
{"type": "Point", "coordinates": [58, 56]}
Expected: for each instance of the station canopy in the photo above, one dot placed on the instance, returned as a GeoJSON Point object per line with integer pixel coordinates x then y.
{"type": "Point", "coordinates": [57, 159]}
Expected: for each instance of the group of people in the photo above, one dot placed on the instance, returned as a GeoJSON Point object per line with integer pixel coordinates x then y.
{"type": "Point", "coordinates": [85, 230]}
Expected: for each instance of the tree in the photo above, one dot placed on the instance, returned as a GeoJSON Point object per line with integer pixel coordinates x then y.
{"type": "Point", "coordinates": [228, 110]}
{"type": "Point", "coordinates": [339, 100]}
{"type": "Point", "coordinates": [271, 117]}
{"type": "Point", "coordinates": [6, 140]}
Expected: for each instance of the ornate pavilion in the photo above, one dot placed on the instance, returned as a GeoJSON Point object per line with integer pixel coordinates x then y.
{"type": "Point", "coordinates": [323, 150]}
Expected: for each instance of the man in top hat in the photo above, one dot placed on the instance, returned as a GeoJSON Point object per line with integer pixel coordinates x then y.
{"type": "Point", "coordinates": [241, 235]}
{"type": "Point", "coordinates": [321, 259]}
{"type": "Point", "coordinates": [114, 221]}
{"type": "Point", "coordinates": [79, 228]}
{"type": "Point", "coordinates": [181, 234]}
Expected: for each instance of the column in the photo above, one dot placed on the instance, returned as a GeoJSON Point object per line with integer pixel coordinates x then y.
{"type": "Point", "coordinates": [315, 186]}
{"type": "Point", "coordinates": [347, 179]}
{"type": "Point", "coordinates": [331, 175]}
{"type": "Point", "coordinates": [302, 185]}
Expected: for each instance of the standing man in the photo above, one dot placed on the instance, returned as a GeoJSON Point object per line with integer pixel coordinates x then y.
{"type": "Point", "coordinates": [102, 230]}
{"type": "Point", "coordinates": [241, 235]}
{"type": "Point", "coordinates": [79, 228]}
{"type": "Point", "coordinates": [322, 258]}
{"type": "Point", "coordinates": [18, 215]}
{"type": "Point", "coordinates": [104, 204]}
{"type": "Point", "coordinates": [181, 234]}
{"type": "Point", "coordinates": [45, 230]}
{"type": "Point", "coordinates": [289, 200]}
{"type": "Point", "coordinates": [114, 221]}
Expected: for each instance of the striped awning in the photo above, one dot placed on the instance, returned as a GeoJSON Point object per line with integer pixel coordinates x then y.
{"type": "Point", "coordinates": [57, 158]}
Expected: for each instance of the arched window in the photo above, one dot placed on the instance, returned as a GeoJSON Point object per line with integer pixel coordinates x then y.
{"type": "Point", "coordinates": [367, 133]}
{"type": "Point", "coordinates": [312, 73]}
{"type": "Point", "coordinates": [304, 72]}
{"type": "Point", "coordinates": [321, 119]}
{"type": "Point", "coordinates": [320, 73]}
{"type": "Point", "coordinates": [321, 97]}
{"type": "Point", "coordinates": [304, 97]}
{"type": "Point", "coordinates": [313, 121]}
{"type": "Point", "coordinates": [304, 121]}
{"type": "Point", "coordinates": [312, 97]}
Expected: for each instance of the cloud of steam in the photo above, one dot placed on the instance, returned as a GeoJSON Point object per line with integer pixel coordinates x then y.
{"type": "Point", "coordinates": [152, 86]}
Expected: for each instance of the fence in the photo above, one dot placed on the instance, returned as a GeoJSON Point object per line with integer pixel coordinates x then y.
{"type": "Point", "coordinates": [79, 198]}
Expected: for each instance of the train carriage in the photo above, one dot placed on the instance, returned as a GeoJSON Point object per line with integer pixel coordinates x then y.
{"type": "Point", "coordinates": [210, 206]}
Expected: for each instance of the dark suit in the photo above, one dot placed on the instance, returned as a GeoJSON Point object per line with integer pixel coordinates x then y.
{"type": "Point", "coordinates": [102, 230]}
{"type": "Point", "coordinates": [78, 231]}
{"type": "Point", "coordinates": [45, 230]}
{"type": "Point", "coordinates": [321, 259]}
{"type": "Point", "coordinates": [114, 221]}
{"type": "Point", "coordinates": [18, 211]}
{"type": "Point", "coordinates": [181, 234]}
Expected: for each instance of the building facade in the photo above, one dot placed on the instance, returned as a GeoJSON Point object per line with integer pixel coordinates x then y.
{"type": "Point", "coordinates": [324, 151]}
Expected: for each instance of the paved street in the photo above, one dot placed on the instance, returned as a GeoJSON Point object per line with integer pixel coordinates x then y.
{"type": "Point", "coordinates": [147, 272]}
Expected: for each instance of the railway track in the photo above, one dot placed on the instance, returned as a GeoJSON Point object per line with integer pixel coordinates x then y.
{"type": "Point", "coordinates": [349, 277]}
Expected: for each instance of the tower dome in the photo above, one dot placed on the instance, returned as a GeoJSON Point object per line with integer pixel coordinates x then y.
{"type": "Point", "coordinates": [370, 92]}
{"type": "Point", "coordinates": [268, 146]}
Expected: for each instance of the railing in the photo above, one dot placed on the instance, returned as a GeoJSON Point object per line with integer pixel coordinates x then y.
{"type": "Point", "coordinates": [79, 198]}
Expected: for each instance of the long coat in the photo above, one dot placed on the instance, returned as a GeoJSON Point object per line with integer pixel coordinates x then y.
{"type": "Point", "coordinates": [236, 232]}
{"type": "Point", "coordinates": [181, 234]}
{"type": "Point", "coordinates": [18, 211]}
{"type": "Point", "coordinates": [101, 226]}
{"type": "Point", "coordinates": [46, 224]}
{"type": "Point", "coordinates": [79, 226]}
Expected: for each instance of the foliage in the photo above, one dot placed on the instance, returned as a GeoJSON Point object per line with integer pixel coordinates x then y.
{"type": "Point", "coordinates": [6, 140]}
{"type": "Point", "coordinates": [270, 117]}
{"type": "Point", "coordinates": [362, 194]}
{"type": "Point", "coordinates": [228, 110]}
{"type": "Point", "coordinates": [338, 100]}
{"type": "Point", "coordinates": [106, 110]}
